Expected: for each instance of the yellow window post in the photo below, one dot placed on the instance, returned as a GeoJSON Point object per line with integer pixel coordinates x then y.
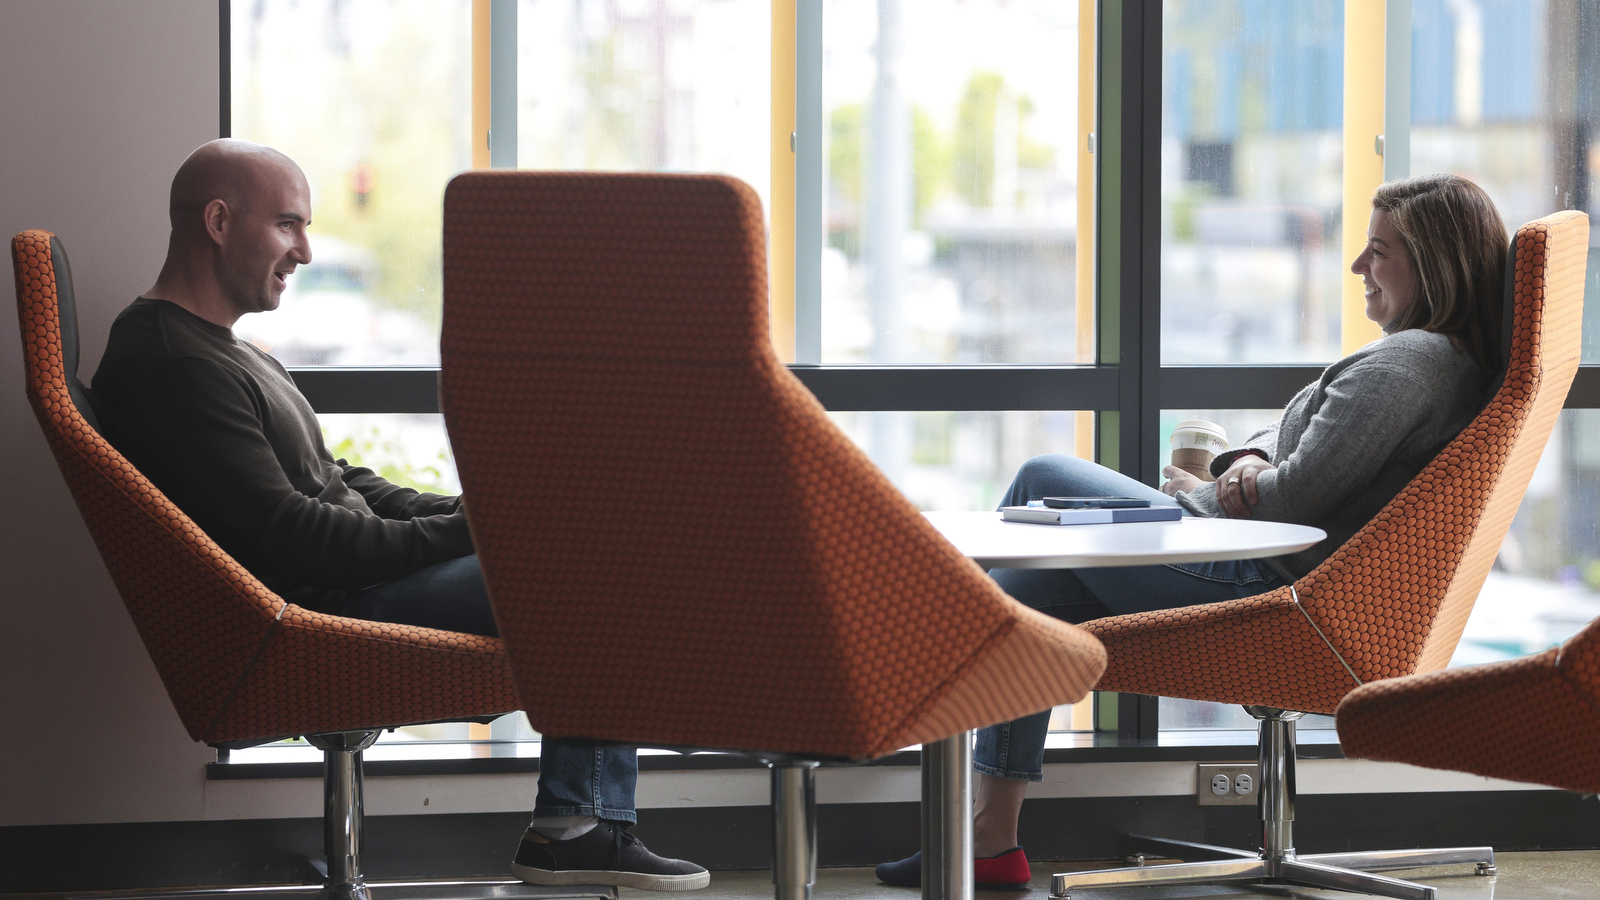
{"type": "Point", "coordinates": [780, 239]}
{"type": "Point", "coordinates": [481, 77]}
{"type": "Point", "coordinates": [1083, 420]}
{"type": "Point", "coordinates": [1363, 162]}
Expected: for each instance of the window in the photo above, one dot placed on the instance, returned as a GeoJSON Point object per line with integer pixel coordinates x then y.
{"type": "Point", "coordinates": [370, 99]}
{"type": "Point", "coordinates": [1251, 181]}
{"type": "Point", "coordinates": [1002, 227]}
{"type": "Point", "coordinates": [1508, 94]}
{"type": "Point", "coordinates": [950, 145]}
{"type": "Point", "coordinates": [645, 85]}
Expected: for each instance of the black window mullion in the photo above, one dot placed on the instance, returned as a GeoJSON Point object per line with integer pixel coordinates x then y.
{"type": "Point", "coordinates": [1128, 224]}
{"type": "Point", "coordinates": [1128, 270]}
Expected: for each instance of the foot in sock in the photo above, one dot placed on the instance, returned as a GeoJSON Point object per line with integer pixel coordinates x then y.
{"type": "Point", "coordinates": [606, 854]}
{"type": "Point", "coordinates": [1004, 871]}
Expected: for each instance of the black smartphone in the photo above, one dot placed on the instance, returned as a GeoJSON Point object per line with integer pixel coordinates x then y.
{"type": "Point", "coordinates": [1094, 502]}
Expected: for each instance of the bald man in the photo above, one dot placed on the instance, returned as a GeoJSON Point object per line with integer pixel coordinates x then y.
{"type": "Point", "coordinates": [219, 426]}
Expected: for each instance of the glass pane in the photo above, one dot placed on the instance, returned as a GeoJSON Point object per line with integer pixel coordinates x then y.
{"type": "Point", "coordinates": [1074, 716]}
{"type": "Point", "coordinates": [371, 98]}
{"type": "Point", "coordinates": [1545, 585]}
{"type": "Point", "coordinates": [951, 203]}
{"type": "Point", "coordinates": [1251, 183]}
{"type": "Point", "coordinates": [412, 451]}
{"type": "Point", "coordinates": [957, 460]}
{"type": "Point", "coordinates": [646, 85]}
{"type": "Point", "coordinates": [1194, 715]}
{"type": "Point", "coordinates": [1503, 92]}
{"type": "Point", "coordinates": [506, 729]}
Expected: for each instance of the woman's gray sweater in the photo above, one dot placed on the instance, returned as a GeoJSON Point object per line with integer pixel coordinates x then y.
{"type": "Point", "coordinates": [1352, 439]}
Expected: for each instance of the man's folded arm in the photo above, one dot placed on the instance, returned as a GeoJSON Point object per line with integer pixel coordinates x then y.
{"type": "Point", "coordinates": [392, 501]}
{"type": "Point", "coordinates": [322, 544]}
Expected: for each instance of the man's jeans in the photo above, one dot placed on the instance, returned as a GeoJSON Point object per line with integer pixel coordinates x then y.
{"type": "Point", "coordinates": [576, 778]}
{"type": "Point", "coordinates": [1016, 749]}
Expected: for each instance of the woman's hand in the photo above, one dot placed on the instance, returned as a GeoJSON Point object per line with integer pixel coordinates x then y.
{"type": "Point", "coordinates": [1178, 480]}
{"type": "Point", "coordinates": [1236, 489]}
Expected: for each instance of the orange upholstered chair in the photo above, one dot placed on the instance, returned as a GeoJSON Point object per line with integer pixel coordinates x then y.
{"type": "Point", "coordinates": [240, 664]}
{"type": "Point", "coordinates": [657, 501]}
{"type": "Point", "coordinates": [1534, 719]}
{"type": "Point", "coordinates": [1390, 602]}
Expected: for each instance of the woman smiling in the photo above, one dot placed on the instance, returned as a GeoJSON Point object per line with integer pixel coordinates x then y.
{"type": "Point", "coordinates": [1434, 270]}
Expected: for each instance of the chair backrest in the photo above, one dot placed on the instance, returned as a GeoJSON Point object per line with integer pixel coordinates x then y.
{"type": "Point", "coordinates": [202, 616]}
{"type": "Point", "coordinates": [1394, 598]}
{"type": "Point", "coordinates": [1534, 719]}
{"type": "Point", "coordinates": [681, 548]}
{"type": "Point", "coordinates": [67, 308]}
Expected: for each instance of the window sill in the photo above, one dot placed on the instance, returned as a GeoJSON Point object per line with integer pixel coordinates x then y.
{"type": "Point", "coordinates": [435, 758]}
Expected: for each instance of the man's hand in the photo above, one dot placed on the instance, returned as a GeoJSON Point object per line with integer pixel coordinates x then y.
{"type": "Point", "coordinates": [1178, 480]}
{"type": "Point", "coordinates": [1236, 489]}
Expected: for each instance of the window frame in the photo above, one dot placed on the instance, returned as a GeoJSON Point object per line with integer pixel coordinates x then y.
{"type": "Point", "coordinates": [1125, 389]}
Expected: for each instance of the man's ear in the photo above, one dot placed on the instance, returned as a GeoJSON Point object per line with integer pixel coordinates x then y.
{"type": "Point", "coordinates": [217, 217]}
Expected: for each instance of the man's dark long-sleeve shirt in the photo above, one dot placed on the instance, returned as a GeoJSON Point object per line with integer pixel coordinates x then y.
{"type": "Point", "coordinates": [221, 429]}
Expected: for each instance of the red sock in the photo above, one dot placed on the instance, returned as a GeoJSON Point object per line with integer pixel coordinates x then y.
{"type": "Point", "coordinates": [1005, 870]}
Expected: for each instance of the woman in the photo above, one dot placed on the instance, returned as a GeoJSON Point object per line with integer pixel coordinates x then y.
{"type": "Point", "coordinates": [1434, 270]}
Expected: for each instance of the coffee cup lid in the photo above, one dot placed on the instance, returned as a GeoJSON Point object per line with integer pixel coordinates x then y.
{"type": "Point", "coordinates": [1202, 425]}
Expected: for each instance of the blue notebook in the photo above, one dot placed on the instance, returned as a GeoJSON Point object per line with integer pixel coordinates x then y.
{"type": "Point", "coordinates": [1040, 515]}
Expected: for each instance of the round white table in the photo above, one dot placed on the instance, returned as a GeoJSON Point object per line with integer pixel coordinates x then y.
{"type": "Point", "coordinates": [993, 543]}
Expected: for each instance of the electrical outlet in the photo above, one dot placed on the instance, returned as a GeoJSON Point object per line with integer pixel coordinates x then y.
{"type": "Point", "coordinates": [1227, 785]}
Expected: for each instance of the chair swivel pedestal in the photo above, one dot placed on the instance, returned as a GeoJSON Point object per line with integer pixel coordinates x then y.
{"type": "Point", "coordinates": [946, 826]}
{"type": "Point", "coordinates": [794, 828]}
{"type": "Point", "coordinates": [1276, 862]}
{"type": "Point", "coordinates": [343, 810]}
{"type": "Point", "coordinates": [343, 815]}
{"type": "Point", "coordinates": [946, 819]}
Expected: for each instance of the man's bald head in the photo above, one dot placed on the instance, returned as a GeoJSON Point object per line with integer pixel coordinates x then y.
{"type": "Point", "coordinates": [239, 217]}
{"type": "Point", "coordinates": [229, 170]}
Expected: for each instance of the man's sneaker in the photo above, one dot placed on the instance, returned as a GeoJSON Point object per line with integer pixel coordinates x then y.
{"type": "Point", "coordinates": [1006, 871]}
{"type": "Point", "coordinates": [607, 854]}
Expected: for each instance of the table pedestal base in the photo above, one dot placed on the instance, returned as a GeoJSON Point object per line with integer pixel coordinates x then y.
{"type": "Point", "coordinates": [947, 819]}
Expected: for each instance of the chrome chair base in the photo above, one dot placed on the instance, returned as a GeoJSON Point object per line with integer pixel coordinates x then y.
{"type": "Point", "coordinates": [343, 814]}
{"type": "Point", "coordinates": [1276, 862]}
{"type": "Point", "coordinates": [1225, 865]}
{"type": "Point", "coordinates": [794, 828]}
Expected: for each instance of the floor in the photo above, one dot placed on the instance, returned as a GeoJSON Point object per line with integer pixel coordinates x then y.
{"type": "Point", "coordinates": [1555, 875]}
{"type": "Point", "coordinates": [1522, 876]}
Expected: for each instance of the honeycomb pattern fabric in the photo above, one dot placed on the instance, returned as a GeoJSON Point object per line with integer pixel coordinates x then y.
{"type": "Point", "coordinates": [1394, 598]}
{"type": "Point", "coordinates": [1534, 719]}
{"type": "Point", "coordinates": [237, 662]}
{"type": "Point", "coordinates": [649, 487]}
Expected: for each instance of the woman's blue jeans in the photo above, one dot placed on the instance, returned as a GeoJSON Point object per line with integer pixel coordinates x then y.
{"type": "Point", "coordinates": [576, 778]}
{"type": "Point", "coordinates": [1016, 749]}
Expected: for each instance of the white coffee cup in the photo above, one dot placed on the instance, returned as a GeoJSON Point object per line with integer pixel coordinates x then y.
{"type": "Point", "coordinates": [1195, 443]}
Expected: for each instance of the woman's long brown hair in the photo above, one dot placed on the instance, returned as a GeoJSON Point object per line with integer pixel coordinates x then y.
{"type": "Point", "coordinates": [1457, 242]}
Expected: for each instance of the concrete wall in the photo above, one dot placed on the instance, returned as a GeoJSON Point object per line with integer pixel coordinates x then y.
{"type": "Point", "coordinates": [99, 103]}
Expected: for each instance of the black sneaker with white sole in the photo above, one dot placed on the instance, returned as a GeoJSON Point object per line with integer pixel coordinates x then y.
{"type": "Point", "coordinates": [607, 854]}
